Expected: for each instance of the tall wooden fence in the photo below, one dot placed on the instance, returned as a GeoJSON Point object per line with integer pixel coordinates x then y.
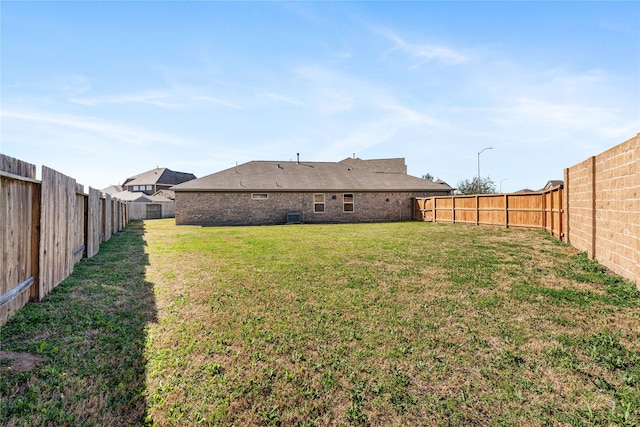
{"type": "Point", "coordinates": [46, 227]}
{"type": "Point", "coordinates": [139, 210]}
{"type": "Point", "coordinates": [541, 210]}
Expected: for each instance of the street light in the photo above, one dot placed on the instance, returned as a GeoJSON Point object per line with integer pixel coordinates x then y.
{"type": "Point", "coordinates": [480, 152]}
{"type": "Point", "coordinates": [501, 184]}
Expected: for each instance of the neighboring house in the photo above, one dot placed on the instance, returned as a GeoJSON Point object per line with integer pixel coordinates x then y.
{"type": "Point", "coordinates": [271, 192]}
{"type": "Point", "coordinates": [157, 179]}
{"type": "Point", "coordinates": [552, 183]}
{"type": "Point", "coordinates": [148, 195]}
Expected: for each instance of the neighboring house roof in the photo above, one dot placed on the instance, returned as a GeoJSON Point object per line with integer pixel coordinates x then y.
{"type": "Point", "coordinates": [162, 176]}
{"type": "Point", "coordinates": [112, 189]}
{"type": "Point", "coordinates": [552, 183]}
{"type": "Point", "coordinates": [130, 196]}
{"type": "Point", "coordinates": [347, 175]}
{"type": "Point", "coordinates": [439, 181]}
{"type": "Point", "coordinates": [168, 194]}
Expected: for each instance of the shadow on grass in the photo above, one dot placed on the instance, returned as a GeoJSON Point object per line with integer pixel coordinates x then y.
{"type": "Point", "coordinates": [88, 339]}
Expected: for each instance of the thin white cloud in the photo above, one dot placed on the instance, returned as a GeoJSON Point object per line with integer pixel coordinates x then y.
{"type": "Point", "coordinates": [216, 101]}
{"type": "Point", "coordinates": [177, 98]}
{"type": "Point", "coordinates": [281, 98]}
{"type": "Point", "coordinates": [409, 115]}
{"type": "Point", "coordinates": [423, 52]}
{"type": "Point", "coordinates": [123, 133]}
{"type": "Point", "coordinates": [67, 85]}
{"type": "Point", "coordinates": [157, 98]}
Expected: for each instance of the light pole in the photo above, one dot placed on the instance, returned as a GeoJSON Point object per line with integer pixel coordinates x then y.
{"type": "Point", "coordinates": [480, 152]}
{"type": "Point", "coordinates": [501, 184]}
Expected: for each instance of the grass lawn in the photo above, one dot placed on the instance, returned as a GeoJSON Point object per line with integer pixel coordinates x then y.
{"type": "Point", "coordinates": [363, 324]}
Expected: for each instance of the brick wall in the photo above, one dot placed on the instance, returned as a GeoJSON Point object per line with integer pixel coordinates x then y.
{"type": "Point", "coordinates": [603, 208]}
{"type": "Point", "coordinates": [220, 208]}
{"type": "Point", "coordinates": [579, 190]}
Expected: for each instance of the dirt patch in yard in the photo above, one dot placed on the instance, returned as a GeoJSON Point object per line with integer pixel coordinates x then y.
{"type": "Point", "coordinates": [12, 361]}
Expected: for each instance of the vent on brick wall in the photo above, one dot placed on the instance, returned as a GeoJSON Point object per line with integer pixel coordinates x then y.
{"type": "Point", "coordinates": [294, 218]}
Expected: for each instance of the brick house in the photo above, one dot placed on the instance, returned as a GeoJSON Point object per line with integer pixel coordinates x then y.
{"type": "Point", "coordinates": [271, 192]}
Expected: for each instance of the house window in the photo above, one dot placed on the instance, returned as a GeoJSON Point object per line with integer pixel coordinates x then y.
{"type": "Point", "coordinates": [347, 202]}
{"type": "Point", "coordinates": [149, 187]}
{"type": "Point", "coordinates": [318, 203]}
{"type": "Point", "coordinates": [136, 188]}
{"type": "Point", "coordinates": [259, 196]}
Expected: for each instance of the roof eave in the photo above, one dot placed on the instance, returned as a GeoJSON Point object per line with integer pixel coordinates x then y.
{"type": "Point", "coordinates": [308, 190]}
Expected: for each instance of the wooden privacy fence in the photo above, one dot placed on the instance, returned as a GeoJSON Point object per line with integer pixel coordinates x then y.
{"type": "Point", "coordinates": [140, 210]}
{"type": "Point", "coordinates": [46, 227]}
{"type": "Point", "coordinates": [543, 210]}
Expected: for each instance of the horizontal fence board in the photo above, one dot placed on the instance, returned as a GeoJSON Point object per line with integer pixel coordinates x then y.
{"type": "Point", "coordinates": [14, 300]}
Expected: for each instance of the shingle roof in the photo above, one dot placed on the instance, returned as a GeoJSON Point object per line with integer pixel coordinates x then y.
{"type": "Point", "coordinates": [377, 165]}
{"type": "Point", "coordinates": [128, 196]}
{"type": "Point", "coordinates": [112, 189]}
{"type": "Point", "coordinates": [352, 175]}
{"type": "Point", "coordinates": [159, 176]}
{"type": "Point", "coordinates": [552, 183]}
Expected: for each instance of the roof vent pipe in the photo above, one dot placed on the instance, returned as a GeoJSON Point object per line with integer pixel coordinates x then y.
{"type": "Point", "coordinates": [298, 157]}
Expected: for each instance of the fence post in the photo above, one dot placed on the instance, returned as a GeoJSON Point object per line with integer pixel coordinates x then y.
{"type": "Point", "coordinates": [593, 207]}
{"type": "Point", "coordinates": [543, 207]}
{"type": "Point", "coordinates": [506, 210]}
{"type": "Point", "coordinates": [477, 210]}
{"type": "Point", "coordinates": [551, 213]}
{"type": "Point", "coordinates": [35, 242]}
{"type": "Point", "coordinates": [565, 205]}
{"type": "Point", "coordinates": [453, 209]}
{"type": "Point", "coordinates": [433, 207]}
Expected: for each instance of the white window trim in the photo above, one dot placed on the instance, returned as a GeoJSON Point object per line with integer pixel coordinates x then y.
{"type": "Point", "coordinates": [258, 196]}
{"type": "Point", "coordinates": [323, 203]}
{"type": "Point", "coordinates": [352, 203]}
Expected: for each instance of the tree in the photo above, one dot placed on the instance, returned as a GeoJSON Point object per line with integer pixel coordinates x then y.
{"type": "Point", "coordinates": [428, 177]}
{"type": "Point", "coordinates": [475, 186]}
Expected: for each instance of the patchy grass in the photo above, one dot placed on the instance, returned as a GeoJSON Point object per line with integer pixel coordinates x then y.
{"type": "Point", "coordinates": [360, 324]}
{"type": "Point", "coordinates": [88, 339]}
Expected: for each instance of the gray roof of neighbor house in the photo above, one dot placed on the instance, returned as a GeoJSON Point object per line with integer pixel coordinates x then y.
{"type": "Point", "coordinates": [552, 183]}
{"type": "Point", "coordinates": [112, 189]}
{"type": "Point", "coordinates": [130, 196]}
{"type": "Point", "coordinates": [162, 176]}
{"type": "Point", "coordinates": [348, 175]}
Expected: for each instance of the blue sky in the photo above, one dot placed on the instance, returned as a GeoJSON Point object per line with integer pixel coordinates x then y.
{"type": "Point", "coordinates": [103, 90]}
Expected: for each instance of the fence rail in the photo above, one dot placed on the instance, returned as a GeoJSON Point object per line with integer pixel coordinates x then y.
{"type": "Point", "coordinates": [541, 210]}
{"type": "Point", "coordinates": [46, 227]}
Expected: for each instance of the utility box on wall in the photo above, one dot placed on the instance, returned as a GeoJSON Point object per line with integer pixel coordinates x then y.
{"type": "Point", "coordinates": [294, 218]}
